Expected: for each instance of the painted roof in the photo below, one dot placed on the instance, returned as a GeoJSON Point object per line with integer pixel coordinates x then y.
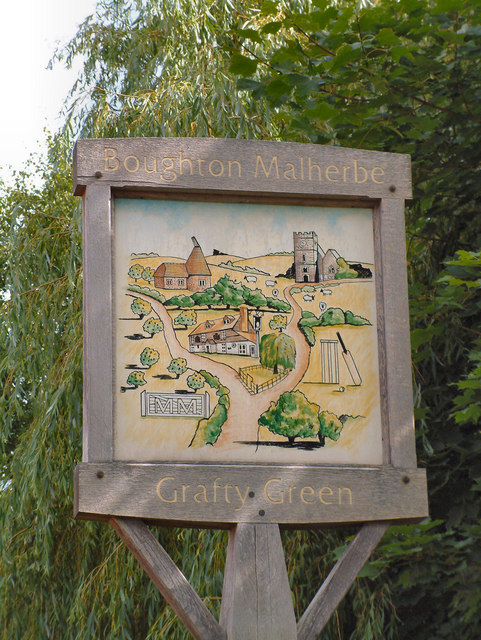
{"type": "Point", "coordinates": [222, 324]}
{"type": "Point", "coordinates": [172, 270]}
{"type": "Point", "coordinates": [196, 264]}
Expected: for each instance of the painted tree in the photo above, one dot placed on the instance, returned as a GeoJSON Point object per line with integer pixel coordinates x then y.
{"type": "Point", "coordinates": [177, 366]}
{"type": "Point", "coordinates": [278, 322]}
{"type": "Point", "coordinates": [208, 297]}
{"type": "Point", "coordinates": [277, 350]}
{"type": "Point", "coordinates": [153, 326]}
{"type": "Point", "coordinates": [186, 319]}
{"type": "Point", "coordinates": [253, 297]}
{"type": "Point", "coordinates": [329, 427]}
{"type": "Point", "coordinates": [148, 274]}
{"type": "Point", "coordinates": [136, 379]}
{"type": "Point", "coordinates": [292, 416]}
{"type": "Point", "coordinates": [149, 356]}
{"type": "Point", "coordinates": [136, 271]}
{"type": "Point", "coordinates": [195, 381]}
{"type": "Point", "coordinates": [231, 293]}
{"type": "Point", "coordinates": [141, 307]}
{"type": "Point", "coordinates": [182, 302]}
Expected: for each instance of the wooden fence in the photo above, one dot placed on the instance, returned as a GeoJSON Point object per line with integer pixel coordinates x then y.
{"type": "Point", "coordinates": [254, 387]}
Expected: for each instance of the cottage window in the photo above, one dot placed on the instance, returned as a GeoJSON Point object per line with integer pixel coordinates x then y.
{"type": "Point", "coordinates": [181, 282]}
{"type": "Point", "coordinates": [242, 349]}
{"type": "Point", "coordinates": [202, 283]}
{"type": "Point", "coordinates": [303, 257]}
{"type": "Point", "coordinates": [222, 334]}
{"type": "Point", "coordinates": [216, 336]}
{"type": "Point", "coordinates": [304, 269]}
{"type": "Point", "coordinates": [331, 269]}
{"type": "Point", "coordinates": [197, 339]}
{"type": "Point", "coordinates": [168, 281]}
{"type": "Point", "coordinates": [203, 338]}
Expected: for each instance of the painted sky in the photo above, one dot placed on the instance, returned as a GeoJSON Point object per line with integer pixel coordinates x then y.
{"type": "Point", "coordinates": [245, 230]}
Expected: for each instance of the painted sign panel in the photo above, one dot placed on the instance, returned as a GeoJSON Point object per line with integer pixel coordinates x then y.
{"type": "Point", "coordinates": [245, 333]}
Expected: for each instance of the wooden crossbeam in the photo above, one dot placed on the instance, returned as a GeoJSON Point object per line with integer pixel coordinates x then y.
{"type": "Point", "coordinates": [168, 579]}
{"type": "Point", "coordinates": [339, 580]}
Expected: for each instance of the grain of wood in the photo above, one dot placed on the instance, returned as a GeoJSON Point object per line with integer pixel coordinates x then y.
{"type": "Point", "coordinates": [256, 600]}
{"type": "Point", "coordinates": [168, 579]}
{"type": "Point", "coordinates": [98, 327]}
{"type": "Point", "coordinates": [339, 580]}
{"type": "Point", "coordinates": [218, 495]}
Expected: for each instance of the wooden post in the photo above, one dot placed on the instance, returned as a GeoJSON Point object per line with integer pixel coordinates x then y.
{"type": "Point", "coordinates": [256, 599]}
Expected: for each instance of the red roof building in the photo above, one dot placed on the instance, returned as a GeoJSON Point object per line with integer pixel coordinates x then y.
{"type": "Point", "coordinates": [193, 275]}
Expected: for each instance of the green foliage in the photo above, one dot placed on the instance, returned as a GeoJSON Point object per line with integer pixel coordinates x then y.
{"type": "Point", "coordinates": [136, 378]}
{"type": "Point", "coordinates": [292, 416]}
{"type": "Point", "coordinates": [177, 366]}
{"type": "Point", "coordinates": [195, 381]}
{"type": "Point", "coordinates": [277, 350]}
{"type": "Point", "coordinates": [394, 76]}
{"type": "Point", "coordinates": [147, 291]}
{"type": "Point", "coordinates": [153, 326]}
{"type": "Point", "coordinates": [403, 76]}
{"type": "Point", "coordinates": [149, 356]}
{"type": "Point", "coordinates": [182, 302]}
{"type": "Point", "coordinates": [148, 274]}
{"type": "Point", "coordinates": [278, 322]}
{"type": "Point", "coordinates": [253, 297]}
{"type": "Point", "coordinates": [186, 318]}
{"type": "Point", "coordinates": [345, 270]}
{"type": "Point", "coordinates": [136, 271]}
{"type": "Point", "coordinates": [231, 293]}
{"type": "Point", "coordinates": [330, 317]}
{"type": "Point", "coordinates": [207, 297]}
{"type": "Point", "coordinates": [141, 307]}
{"type": "Point", "coordinates": [209, 429]}
{"type": "Point", "coordinates": [329, 426]}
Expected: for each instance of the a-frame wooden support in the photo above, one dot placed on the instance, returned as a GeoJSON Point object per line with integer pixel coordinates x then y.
{"type": "Point", "coordinates": [256, 599]}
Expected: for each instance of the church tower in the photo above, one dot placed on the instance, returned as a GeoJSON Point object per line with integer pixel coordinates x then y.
{"type": "Point", "coordinates": [306, 258]}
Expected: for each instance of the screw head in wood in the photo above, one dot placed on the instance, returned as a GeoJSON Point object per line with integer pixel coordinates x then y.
{"type": "Point", "coordinates": [406, 479]}
{"type": "Point", "coordinates": [392, 188]}
{"type": "Point", "coordinates": [252, 494]}
{"type": "Point", "coordinates": [100, 474]}
{"type": "Point", "coordinates": [262, 512]}
{"type": "Point", "coordinates": [98, 174]}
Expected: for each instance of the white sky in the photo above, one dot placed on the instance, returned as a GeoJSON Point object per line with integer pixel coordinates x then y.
{"type": "Point", "coordinates": [32, 96]}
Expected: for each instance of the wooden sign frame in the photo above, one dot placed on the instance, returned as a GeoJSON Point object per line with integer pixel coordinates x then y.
{"type": "Point", "coordinates": [126, 493]}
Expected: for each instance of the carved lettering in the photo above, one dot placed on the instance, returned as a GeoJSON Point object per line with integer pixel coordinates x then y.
{"type": "Point", "coordinates": [277, 497]}
{"type": "Point", "coordinates": [220, 170]}
{"type": "Point", "coordinates": [111, 156]}
{"type": "Point", "coordinates": [377, 172]}
{"type": "Point", "coordinates": [131, 167]}
{"type": "Point", "coordinates": [331, 172]}
{"type": "Point", "coordinates": [358, 171]}
{"type": "Point", "coordinates": [267, 172]}
{"type": "Point", "coordinates": [160, 489]}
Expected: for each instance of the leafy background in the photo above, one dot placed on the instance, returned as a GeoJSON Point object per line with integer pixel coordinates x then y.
{"type": "Point", "coordinates": [390, 75]}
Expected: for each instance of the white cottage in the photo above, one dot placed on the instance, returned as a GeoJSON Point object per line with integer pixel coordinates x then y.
{"type": "Point", "coordinates": [231, 334]}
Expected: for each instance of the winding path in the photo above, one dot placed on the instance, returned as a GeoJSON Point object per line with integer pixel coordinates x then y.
{"type": "Point", "coordinates": [245, 408]}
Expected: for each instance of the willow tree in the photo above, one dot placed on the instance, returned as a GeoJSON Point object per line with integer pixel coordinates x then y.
{"type": "Point", "coordinates": [156, 68]}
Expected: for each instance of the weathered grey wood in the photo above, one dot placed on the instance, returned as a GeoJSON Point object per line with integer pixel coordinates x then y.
{"type": "Point", "coordinates": [244, 166]}
{"type": "Point", "coordinates": [339, 580]}
{"type": "Point", "coordinates": [168, 579]}
{"type": "Point", "coordinates": [256, 599]}
{"type": "Point", "coordinates": [222, 494]}
{"type": "Point", "coordinates": [396, 347]}
{"type": "Point", "coordinates": [98, 329]}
